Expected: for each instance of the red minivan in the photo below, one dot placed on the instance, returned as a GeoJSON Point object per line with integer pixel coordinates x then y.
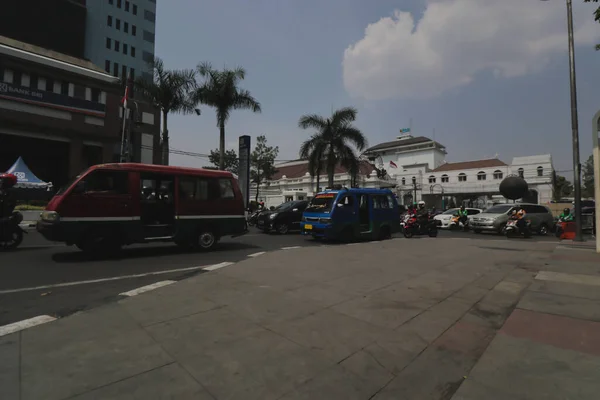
{"type": "Point", "coordinates": [111, 205]}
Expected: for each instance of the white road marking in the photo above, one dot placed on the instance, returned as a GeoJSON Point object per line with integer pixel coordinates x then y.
{"type": "Point", "coordinates": [291, 247]}
{"type": "Point", "coordinates": [568, 278]}
{"type": "Point", "coordinates": [260, 253]}
{"type": "Point", "coordinates": [27, 323]}
{"type": "Point", "coordinates": [146, 288]}
{"type": "Point", "coordinates": [114, 278]}
{"type": "Point", "coordinates": [217, 266]}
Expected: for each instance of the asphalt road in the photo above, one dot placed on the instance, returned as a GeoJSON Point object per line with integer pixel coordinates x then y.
{"type": "Point", "coordinates": [43, 278]}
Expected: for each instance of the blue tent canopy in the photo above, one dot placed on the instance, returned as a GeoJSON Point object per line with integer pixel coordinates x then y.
{"type": "Point", "coordinates": [26, 178]}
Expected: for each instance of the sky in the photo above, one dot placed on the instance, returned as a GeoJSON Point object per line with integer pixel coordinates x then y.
{"type": "Point", "coordinates": [483, 77]}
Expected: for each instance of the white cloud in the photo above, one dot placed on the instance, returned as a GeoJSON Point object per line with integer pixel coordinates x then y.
{"type": "Point", "coordinates": [457, 39]}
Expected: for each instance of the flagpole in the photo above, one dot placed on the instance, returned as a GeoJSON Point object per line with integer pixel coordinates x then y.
{"type": "Point", "coordinates": [124, 119]}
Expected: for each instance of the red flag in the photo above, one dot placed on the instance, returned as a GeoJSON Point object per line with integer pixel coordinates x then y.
{"type": "Point", "coordinates": [393, 164]}
{"type": "Point", "coordinates": [125, 96]}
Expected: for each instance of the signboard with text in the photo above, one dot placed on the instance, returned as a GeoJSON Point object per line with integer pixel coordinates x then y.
{"type": "Point", "coordinates": [244, 171]}
{"type": "Point", "coordinates": [43, 98]}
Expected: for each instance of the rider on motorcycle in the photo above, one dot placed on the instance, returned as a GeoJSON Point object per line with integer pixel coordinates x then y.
{"type": "Point", "coordinates": [566, 216]}
{"type": "Point", "coordinates": [7, 202]}
{"type": "Point", "coordinates": [519, 215]}
{"type": "Point", "coordinates": [462, 215]}
{"type": "Point", "coordinates": [422, 214]}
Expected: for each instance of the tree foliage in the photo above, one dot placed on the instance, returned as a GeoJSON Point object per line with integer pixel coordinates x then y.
{"type": "Point", "coordinates": [231, 163]}
{"type": "Point", "coordinates": [333, 143]}
{"type": "Point", "coordinates": [561, 187]}
{"type": "Point", "coordinates": [262, 162]}
{"type": "Point", "coordinates": [587, 178]}
{"type": "Point", "coordinates": [596, 16]}
{"type": "Point", "coordinates": [220, 90]}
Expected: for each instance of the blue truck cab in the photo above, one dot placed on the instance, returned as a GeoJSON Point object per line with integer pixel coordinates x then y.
{"type": "Point", "coordinates": [352, 214]}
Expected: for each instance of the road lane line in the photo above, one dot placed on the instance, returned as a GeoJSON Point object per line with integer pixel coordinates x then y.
{"type": "Point", "coordinates": [217, 266]}
{"type": "Point", "coordinates": [290, 247]}
{"type": "Point", "coordinates": [26, 323]}
{"type": "Point", "coordinates": [146, 288]}
{"type": "Point", "coordinates": [260, 253]}
{"type": "Point", "coordinates": [114, 278]}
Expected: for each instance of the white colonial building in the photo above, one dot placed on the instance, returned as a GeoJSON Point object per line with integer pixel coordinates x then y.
{"type": "Point", "coordinates": [418, 166]}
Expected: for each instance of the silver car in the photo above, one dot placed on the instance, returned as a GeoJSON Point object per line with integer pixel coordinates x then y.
{"type": "Point", "coordinates": [494, 218]}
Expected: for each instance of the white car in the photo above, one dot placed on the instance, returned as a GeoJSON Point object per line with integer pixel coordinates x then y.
{"type": "Point", "coordinates": [447, 215]}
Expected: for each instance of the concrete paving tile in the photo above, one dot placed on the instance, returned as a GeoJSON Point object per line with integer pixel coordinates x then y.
{"type": "Point", "coordinates": [395, 350]}
{"type": "Point", "coordinates": [491, 279]}
{"type": "Point", "coordinates": [368, 367]}
{"type": "Point", "coordinates": [195, 333]}
{"type": "Point", "coordinates": [432, 323]}
{"type": "Point", "coordinates": [362, 283]}
{"type": "Point", "coordinates": [265, 362]}
{"type": "Point", "coordinates": [336, 335]}
{"type": "Point", "coordinates": [470, 292]}
{"type": "Point", "coordinates": [379, 311]}
{"type": "Point", "coordinates": [537, 371]}
{"type": "Point", "coordinates": [582, 279]}
{"type": "Point", "coordinates": [173, 301]}
{"type": "Point", "coordinates": [9, 366]}
{"type": "Point", "coordinates": [324, 294]}
{"type": "Point", "coordinates": [572, 266]}
{"type": "Point", "coordinates": [274, 280]}
{"type": "Point", "coordinates": [168, 382]}
{"type": "Point", "coordinates": [54, 367]}
{"type": "Point", "coordinates": [467, 338]}
{"type": "Point", "coordinates": [335, 384]}
{"type": "Point", "coordinates": [520, 275]}
{"type": "Point", "coordinates": [561, 305]}
{"type": "Point", "coordinates": [404, 292]}
{"type": "Point", "coordinates": [471, 390]}
{"type": "Point", "coordinates": [564, 332]}
{"type": "Point", "coordinates": [566, 289]}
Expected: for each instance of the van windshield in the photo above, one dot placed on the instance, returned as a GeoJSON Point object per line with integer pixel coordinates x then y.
{"type": "Point", "coordinates": [67, 185]}
{"type": "Point", "coordinates": [499, 209]}
{"type": "Point", "coordinates": [321, 202]}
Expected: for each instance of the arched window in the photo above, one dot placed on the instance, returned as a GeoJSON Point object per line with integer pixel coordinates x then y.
{"type": "Point", "coordinates": [445, 178]}
{"type": "Point", "coordinates": [498, 174]}
{"type": "Point", "coordinates": [540, 171]}
{"type": "Point", "coordinates": [414, 180]}
{"type": "Point", "coordinates": [521, 172]}
{"type": "Point", "coordinates": [432, 179]}
{"type": "Point", "coordinates": [462, 177]}
{"type": "Point", "coordinates": [404, 181]}
{"type": "Point", "coordinates": [481, 176]}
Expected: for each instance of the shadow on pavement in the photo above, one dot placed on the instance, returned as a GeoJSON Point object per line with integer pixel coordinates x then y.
{"type": "Point", "coordinates": [145, 252]}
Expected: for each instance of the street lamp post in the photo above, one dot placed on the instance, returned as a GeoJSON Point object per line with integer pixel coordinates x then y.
{"type": "Point", "coordinates": [574, 125]}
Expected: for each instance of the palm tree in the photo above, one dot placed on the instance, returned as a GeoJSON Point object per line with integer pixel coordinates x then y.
{"type": "Point", "coordinates": [220, 90]}
{"type": "Point", "coordinates": [169, 91]}
{"type": "Point", "coordinates": [331, 142]}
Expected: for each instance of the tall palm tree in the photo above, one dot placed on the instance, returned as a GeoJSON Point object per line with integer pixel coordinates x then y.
{"type": "Point", "coordinates": [220, 90]}
{"type": "Point", "coordinates": [169, 91]}
{"type": "Point", "coordinates": [332, 142]}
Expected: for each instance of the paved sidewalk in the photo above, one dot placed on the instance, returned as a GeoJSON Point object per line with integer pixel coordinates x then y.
{"type": "Point", "coordinates": [400, 319]}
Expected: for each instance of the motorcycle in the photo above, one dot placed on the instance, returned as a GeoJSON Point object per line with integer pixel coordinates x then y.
{"type": "Point", "coordinates": [403, 221]}
{"type": "Point", "coordinates": [511, 229]}
{"type": "Point", "coordinates": [413, 227]}
{"type": "Point", "coordinates": [11, 234]}
{"type": "Point", "coordinates": [253, 217]}
{"type": "Point", "coordinates": [455, 224]}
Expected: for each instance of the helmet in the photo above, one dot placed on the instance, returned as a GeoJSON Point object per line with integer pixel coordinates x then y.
{"type": "Point", "coordinates": [421, 204]}
{"type": "Point", "coordinates": [462, 207]}
{"type": "Point", "coordinates": [7, 181]}
{"type": "Point", "coordinates": [567, 210]}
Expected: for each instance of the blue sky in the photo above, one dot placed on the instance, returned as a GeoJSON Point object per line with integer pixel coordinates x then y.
{"type": "Point", "coordinates": [489, 76]}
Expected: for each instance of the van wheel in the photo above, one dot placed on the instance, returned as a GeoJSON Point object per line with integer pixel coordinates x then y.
{"type": "Point", "coordinates": [207, 240]}
{"type": "Point", "coordinates": [384, 233]}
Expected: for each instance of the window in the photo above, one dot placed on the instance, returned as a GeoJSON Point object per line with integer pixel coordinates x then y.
{"type": "Point", "coordinates": [132, 51]}
{"type": "Point", "coordinates": [133, 30]}
{"type": "Point", "coordinates": [17, 75]}
{"type": "Point", "coordinates": [126, 6]}
{"type": "Point", "coordinates": [124, 48]}
{"type": "Point", "coordinates": [96, 95]}
{"type": "Point", "coordinates": [462, 177]}
{"type": "Point", "coordinates": [498, 174]}
{"type": "Point", "coordinates": [64, 88]}
{"type": "Point", "coordinates": [147, 57]}
{"type": "Point", "coordinates": [123, 72]}
{"type": "Point", "coordinates": [346, 201]}
{"type": "Point", "coordinates": [118, 24]}
{"type": "Point", "coordinates": [481, 176]}
{"type": "Point", "coordinates": [132, 73]}
{"type": "Point", "coordinates": [193, 189]}
{"type": "Point", "coordinates": [472, 211]}
{"type": "Point", "coordinates": [226, 189]}
{"type": "Point", "coordinates": [108, 43]}
{"type": "Point", "coordinates": [432, 179]}
{"type": "Point", "coordinates": [149, 36]}
{"type": "Point", "coordinates": [134, 9]}
{"type": "Point", "coordinates": [33, 81]}
{"type": "Point", "coordinates": [109, 20]}
{"type": "Point", "coordinates": [540, 171]}
{"type": "Point", "coordinates": [110, 2]}
{"type": "Point", "coordinates": [414, 180]}
{"type": "Point", "coordinates": [404, 181]}
{"type": "Point", "coordinates": [445, 179]}
{"type": "Point", "coordinates": [149, 16]}
{"type": "Point", "coordinates": [49, 85]}
{"type": "Point", "coordinates": [119, 3]}
{"type": "Point", "coordinates": [125, 27]}
{"type": "Point", "coordinates": [107, 66]}
{"type": "Point", "coordinates": [116, 69]}
{"type": "Point", "coordinates": [521, 172]}
{"type": "Point", "coordinates": [107, 182]}
{"type": "Point", "coordinates": [117, 45]}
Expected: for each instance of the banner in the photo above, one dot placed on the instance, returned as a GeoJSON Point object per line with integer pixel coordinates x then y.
{"type": "Point", "coordinates": [244, 171]}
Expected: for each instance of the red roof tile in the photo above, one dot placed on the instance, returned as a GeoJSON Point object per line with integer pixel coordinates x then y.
{"type": "Point", "coordinates": [477, 164]}
{"type": "Point", "coordinates": [300, 170]}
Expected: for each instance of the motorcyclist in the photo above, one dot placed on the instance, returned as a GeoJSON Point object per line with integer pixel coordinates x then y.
{"type": "Point", "coordinates": [566, 216]}
{"type": "Point", "coordinates": [422, 214]}
{"type": "Point", "coordinates": [519, 214]}
{"type": "Point", "coordinates": [462, 215]}
{"type": "Point", "coordinates": [7, 202]}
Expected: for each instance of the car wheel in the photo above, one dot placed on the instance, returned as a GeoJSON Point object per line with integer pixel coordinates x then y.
{"type": "Point", "coordinates": [543, 230]}
{"type": "Point", "coordinates": [282, 229]}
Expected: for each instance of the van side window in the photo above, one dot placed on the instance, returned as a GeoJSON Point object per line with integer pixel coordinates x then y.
{"type": "Point", "coordinates": [346, 201]}
{"type": "Point", "coordinates": [226, 188]}
{"type": "Point", "coordinates": [193, 188]}
{"type": "Point", "coordinates": [390, 200]}
{"type": "Point", "coordinates": [107, 182]}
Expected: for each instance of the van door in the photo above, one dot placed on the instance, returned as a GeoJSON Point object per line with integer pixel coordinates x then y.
{"type": "Point", "coordinates": [345, 213]}
{"type": "Point", "coordinates": [364, 213]}
{"type": "Point", "coordinates": [157, 205]}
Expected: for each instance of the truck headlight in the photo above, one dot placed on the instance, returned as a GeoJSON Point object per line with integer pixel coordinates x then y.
{"type": "Point", "coordinates": [50, 216]}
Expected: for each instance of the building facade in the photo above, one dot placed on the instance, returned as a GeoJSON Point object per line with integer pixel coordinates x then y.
{"type": "Point", "coordinates": [62, 114]}
{"type": "Point", "coordinates": [418, 166]}
{"type": "Point", "coordinates": [292, 181]}
{"type": "Point", "coordinates": [120, 35]}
